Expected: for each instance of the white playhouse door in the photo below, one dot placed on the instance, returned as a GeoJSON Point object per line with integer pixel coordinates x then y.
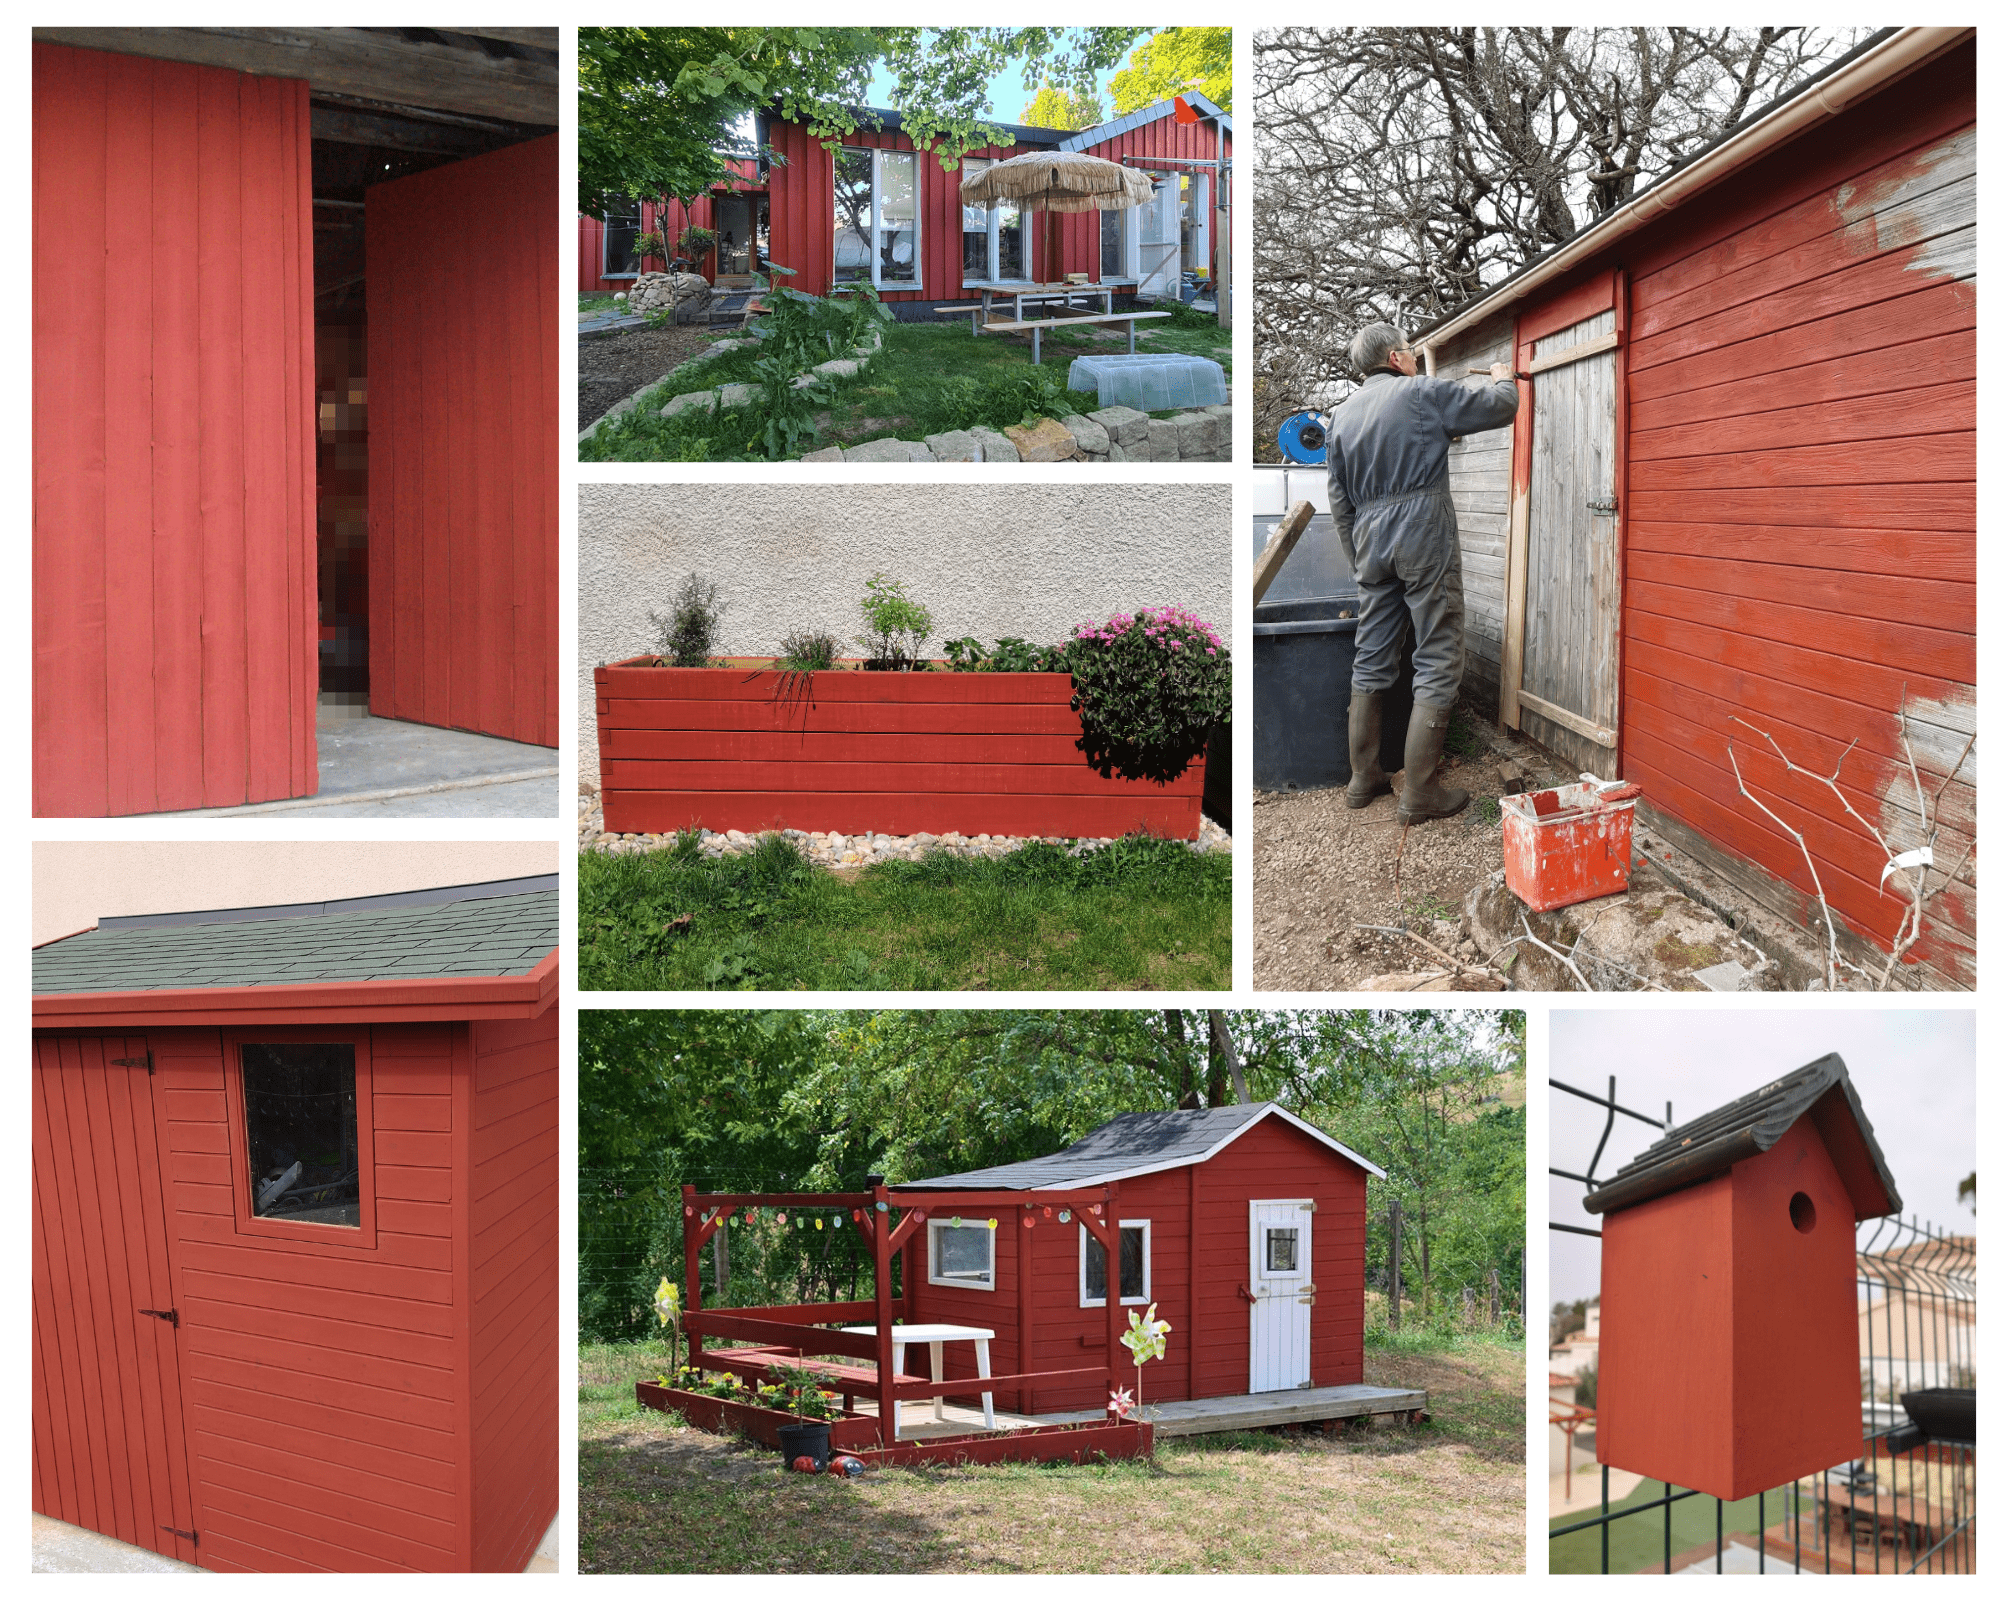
{"type": "Point", "coordinates": [1281, 1280]}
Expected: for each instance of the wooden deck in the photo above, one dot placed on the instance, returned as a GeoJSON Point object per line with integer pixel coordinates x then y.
{"type": "Point", "coordinates": [1220, 1414]}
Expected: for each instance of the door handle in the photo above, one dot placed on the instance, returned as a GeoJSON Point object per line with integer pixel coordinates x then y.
{"type": "Point", "coordinates": [1603, 508]}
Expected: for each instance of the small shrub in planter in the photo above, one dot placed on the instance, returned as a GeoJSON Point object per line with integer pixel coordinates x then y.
{"type": "Point", "coordinates": [807, 650]}
{"type": "Point", "coordinates": [1149, 686]}
{"type": "Point", "coordinates": [688, 630]}
{"type": "Point", "coordinates": [897, 627]}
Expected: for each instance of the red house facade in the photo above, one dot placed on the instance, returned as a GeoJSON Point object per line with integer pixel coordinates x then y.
{"type": "Point", "coordinates": [877, 210]}
{"type": "Point", "coordinates": [295, 1229]}
{"type": "Point", "coordinates": [1740, 490]}
{"type": "Point", "coordinates": [301, 443]}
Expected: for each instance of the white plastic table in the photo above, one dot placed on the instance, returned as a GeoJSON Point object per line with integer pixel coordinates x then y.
{"type": "Point", "coordinates": [934, 1334]}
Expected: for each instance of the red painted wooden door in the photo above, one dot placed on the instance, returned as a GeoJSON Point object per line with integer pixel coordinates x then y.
{"type": "Point", "coordinates": [109, 1449]}
{"type": "Point", "coordinates": [463, 435]}
{"type": "Point", "coordinates": [173, 436]}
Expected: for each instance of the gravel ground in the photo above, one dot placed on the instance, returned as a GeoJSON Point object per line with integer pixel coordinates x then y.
{"type": "Point", "coordinates": [840, 850]}
{"type": "Point", "coordinates": [613, 365]}
{"type": "Point", "coordinates": [1319, 869]}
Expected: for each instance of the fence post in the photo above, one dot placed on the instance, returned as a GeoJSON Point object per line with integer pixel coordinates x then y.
{"type": "Point", "coordinates": [1395, 1263]}
{"type": "Point", "coordinates": [1468, 1298]}
{"type": "Point", "coordinates": [1493, 1288]}
{"type": "Point", "coordinates": [721, 1257]}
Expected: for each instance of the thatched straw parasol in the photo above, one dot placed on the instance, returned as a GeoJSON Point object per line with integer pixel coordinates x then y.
{"type": "Point", "coordinates": [1058, 180]}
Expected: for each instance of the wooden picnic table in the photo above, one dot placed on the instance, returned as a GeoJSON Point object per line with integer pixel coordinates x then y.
{"type": "Point", "coordinates": [1033, 294]}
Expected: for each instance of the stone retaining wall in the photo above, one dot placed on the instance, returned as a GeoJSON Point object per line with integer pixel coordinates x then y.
{"type": "Point", "coordinates": [1117, 433]}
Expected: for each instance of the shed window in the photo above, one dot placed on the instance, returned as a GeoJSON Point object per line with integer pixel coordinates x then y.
{"type": "Point", "coordinates": [299, 1128]}
{"type": "Point", "coordinates": [1135, 1265]}
{"type": "Point", "coordinates": [1281, 1249]}
{"type": "Point", "coordinates": [961, 1255]}
{"type": "Point", "coordinates": [875, 219]}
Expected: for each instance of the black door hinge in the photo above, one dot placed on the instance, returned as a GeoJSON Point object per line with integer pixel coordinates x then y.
{"type": "Point", "coordinates": [1603, 508]}
{"type": "Point", "coordinates": [145, 1061]}
{"type": "Point", "coordinates": [169, 1315]}
{"type": "Point", "coordinates": [188, 1534]}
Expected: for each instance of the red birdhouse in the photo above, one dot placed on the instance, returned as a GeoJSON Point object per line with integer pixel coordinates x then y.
{"type": "Point", "coordinates": [1730, 1357]}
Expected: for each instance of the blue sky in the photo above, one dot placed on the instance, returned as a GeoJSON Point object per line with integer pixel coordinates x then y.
{"type": "Point", "coordinates": [1008, 97]}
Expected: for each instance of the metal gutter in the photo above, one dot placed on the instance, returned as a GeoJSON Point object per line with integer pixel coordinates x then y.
{"type": "Point", "coordinates": [1782, 121]}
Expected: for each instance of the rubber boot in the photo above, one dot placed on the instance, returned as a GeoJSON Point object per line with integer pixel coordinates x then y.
{"type": "Point", "coordinates": [1424, 799]}
{"type": "Point", "coordinates": [1364, 749]}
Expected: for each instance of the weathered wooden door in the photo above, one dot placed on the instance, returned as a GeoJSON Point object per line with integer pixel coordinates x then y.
{"type": "Point", "coordinates": [1568, 686]}
{"type": "Point", "coordinates": [109, 1449]}
{"type": "Point", "coordinates": [1281, 1280]}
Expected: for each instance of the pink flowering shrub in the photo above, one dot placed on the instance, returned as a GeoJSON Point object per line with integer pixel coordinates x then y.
{"type": "Point", "coordinates": [1153, 682]}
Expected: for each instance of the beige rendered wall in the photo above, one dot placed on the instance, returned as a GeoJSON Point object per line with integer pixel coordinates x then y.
{"type": "Point", "coordinates": [77, 883]}
{"type": "Point", "coordinates": [1030, 560]}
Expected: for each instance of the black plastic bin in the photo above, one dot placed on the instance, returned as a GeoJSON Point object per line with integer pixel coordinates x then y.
{"type": "Point", "coordinates": [1302, 665]}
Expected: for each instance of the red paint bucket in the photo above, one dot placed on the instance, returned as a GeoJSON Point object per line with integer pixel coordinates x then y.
{"type": "Point", "coordinates": [1570, 843]}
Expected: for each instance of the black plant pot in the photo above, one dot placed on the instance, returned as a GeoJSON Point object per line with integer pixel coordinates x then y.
{"type": "Point", "coordinates": [813, 1439]}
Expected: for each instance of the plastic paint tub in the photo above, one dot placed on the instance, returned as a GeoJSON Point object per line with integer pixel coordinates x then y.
{"type": "Point", "coordinates": [1570, 843]}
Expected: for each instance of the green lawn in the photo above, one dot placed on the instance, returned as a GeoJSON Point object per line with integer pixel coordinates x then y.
{"type": "Point", "coordinates": [593, 301]}
{"type": "Point", "coordinates": [1638, 1541]}
{"type": "Point", "coordinates": [654, 1495]}
{"type": "Point", "coordinates": [1139, 914]}
{"type": "Point", "coordinates": [927, 378]}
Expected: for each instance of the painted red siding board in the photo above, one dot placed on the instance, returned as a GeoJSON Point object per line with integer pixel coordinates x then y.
{"type": "Point", "coordinates": [462, 509]}
{"type": "Point", "coordinates": [173, 437]}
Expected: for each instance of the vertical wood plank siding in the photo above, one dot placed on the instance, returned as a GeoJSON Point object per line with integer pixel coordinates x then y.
{"type": "Point", "coordinates": [512, 1306]}
{"type": "Point", "coordinates": [463, 429]}
{"type": "Point", "coordinates": [174, 628]}
{"type": "Point", "coordinates": [1799, 501]}
{"type": "Point", "coordinates": [1481, 464]}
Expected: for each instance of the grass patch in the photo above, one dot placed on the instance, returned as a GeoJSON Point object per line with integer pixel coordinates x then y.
{"type": "Point", "coordinates": [656, 1496]}
{"type": "Point", "coordinates": [928, 377]}
{"type": "Point", "coordinates": [589, 302]}
{"type": "Point", "coordinates": [1639, 1541]}
{"type": "Point", "coordinates": [1139, 914]}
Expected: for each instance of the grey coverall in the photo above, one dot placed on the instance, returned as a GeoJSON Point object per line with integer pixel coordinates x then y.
{"type": "Point", "coordinates": [1390, 492]}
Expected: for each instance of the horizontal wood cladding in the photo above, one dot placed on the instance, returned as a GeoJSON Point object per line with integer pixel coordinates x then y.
{"type": "Point", "coordinates": [174, 630]}
{"type": "Point", "coordinates": [930, 752]}
{"type": "Point", "coordinates": [463, 440]}
{"type": "Point", "coordinates": [514, 1290]}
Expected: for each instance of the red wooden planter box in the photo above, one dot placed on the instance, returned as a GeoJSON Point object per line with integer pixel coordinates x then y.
{"type": "Point", "coordinates": [1117, 1441]}
{"type": "Point", "coordinates": [756, 749]}
{"type": "Point", "coordinates": [755, 1422]}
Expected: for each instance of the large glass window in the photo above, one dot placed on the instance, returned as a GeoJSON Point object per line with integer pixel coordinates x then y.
{"type": "Point", "coordinates": [976, 258]}
{"type": "Point", "coordinates": [621, 232]}
{"type": "Point", "coordinates": [299, 1127]}
{"type": "Point", "coordinates": [853, 215]}
{"type": "Point", "coordinates": [875, 237]}
{"type": "Point", "coordinates": [994, 242]}
{"type": "Point", "coordinates": [1110, 244]}
{"type": "Point", "coordinates": [1135, 1265]}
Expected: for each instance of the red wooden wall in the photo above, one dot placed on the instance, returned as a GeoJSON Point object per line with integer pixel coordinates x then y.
{"type": "Point", "coordinates": [1208, 1351]}
{"type": "Point", "coordinates": [174, 629]}
{"type": "Point", "coordinates": [802, 207]}
{"type": "Point", "coordinates": [698, 214]}
{"type": "Point", "coordinates": [463, 431]}
{"type": "Point", "coordinates": [512, 1305]}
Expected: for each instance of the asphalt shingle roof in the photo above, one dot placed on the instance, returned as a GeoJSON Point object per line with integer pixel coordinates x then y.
{"type": "Point", "coordinates": [1697, 1150]}
{"type": "Point", "coordinates": [487, 937]}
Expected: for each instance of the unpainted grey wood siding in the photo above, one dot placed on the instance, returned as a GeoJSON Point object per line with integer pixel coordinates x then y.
{"type": "Point", "coordinates": [1480, 469]}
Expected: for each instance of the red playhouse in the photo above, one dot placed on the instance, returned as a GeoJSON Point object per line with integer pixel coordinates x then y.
{"type": "Point", "coordinates": [295, 1202]}
{"type": "Point", "coordinates": [1730, 1359]}
{"type": "Point", "coordinates": [295, 401]}
{"type": "Point", "coordinates": [1244, 1225]}
{"type": "Point", "coordinates": [877, 210]}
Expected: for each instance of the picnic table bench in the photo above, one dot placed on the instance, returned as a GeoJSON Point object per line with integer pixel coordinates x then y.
{"type": "Point", "coordinates": [1034, 326]}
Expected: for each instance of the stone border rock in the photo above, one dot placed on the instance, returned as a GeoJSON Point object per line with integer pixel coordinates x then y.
{"type": "Point", "coordinates": [1117, 433]}
{"type": "Point", "coordinates": [849, 850]}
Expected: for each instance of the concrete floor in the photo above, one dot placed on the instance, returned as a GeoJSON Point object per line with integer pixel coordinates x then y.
{"type": "Point", "coordinates": [64, 1547]}
{"type": "Point", "coordinates": [378, 767]}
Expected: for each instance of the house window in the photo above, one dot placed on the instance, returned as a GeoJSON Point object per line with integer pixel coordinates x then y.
{"type": "Point", "coordinates": [1110, 244]}
{"type": "Point", "coordinates": [1135, 1265]}
{"type": "Point", "coordinates": [995, 243]}
{"type": "Point", "coordinates": [300, 1132]}
{"type": "Point", "coordinates": [961, 1253]}
{"type": "Point", "coordinates": [621, 233]}
{"type": "Point", "coordinates": [875, 219]}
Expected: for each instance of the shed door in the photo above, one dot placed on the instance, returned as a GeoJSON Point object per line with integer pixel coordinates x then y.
{"type": "Point", "coordinates": [1568, 693]}
{"type": "Point", "coordinates": [1281, 1279]}
{"type": "Point", "coordinates": [109, 1449]}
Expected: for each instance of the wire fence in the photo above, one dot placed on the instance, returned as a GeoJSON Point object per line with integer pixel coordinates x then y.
{"type": "Point", "coordinates": [1907, 1503]}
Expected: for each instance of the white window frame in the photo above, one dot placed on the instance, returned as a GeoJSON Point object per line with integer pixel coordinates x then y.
{"type": "Point", "coordinates": [1084, 1240]}
{"type": "Point", "coordinates": [875, 153]}
{"type": "Point", "coordinates": [932, 1254]}
{"type": "Point", "coordinates": [986, 278]}
{"type": "Point", "coordinates": [1125, 270]}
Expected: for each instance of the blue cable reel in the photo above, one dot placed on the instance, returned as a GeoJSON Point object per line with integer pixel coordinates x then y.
{"type": "Point", "coordinates": [1302, 438]}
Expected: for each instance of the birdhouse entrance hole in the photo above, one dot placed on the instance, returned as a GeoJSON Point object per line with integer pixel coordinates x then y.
{"type": "Point", "coordinates": [1803, 1217]}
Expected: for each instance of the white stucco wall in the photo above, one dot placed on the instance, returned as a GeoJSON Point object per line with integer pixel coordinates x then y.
{"type": "Point", "coordinates": [1029, 560]}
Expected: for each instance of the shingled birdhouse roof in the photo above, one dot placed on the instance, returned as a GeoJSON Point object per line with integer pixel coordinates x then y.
{"type": "Point", "coordinates": [1750, 1126]}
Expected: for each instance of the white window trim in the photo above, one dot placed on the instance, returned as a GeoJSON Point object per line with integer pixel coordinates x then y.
{"type": "Point", "coordinates": [898, 285]}
{"type": "Point", "coordinates": [1084, 1238]}
{"type": "Point", "coordinates": [992, 1255]}
{"type": "Point", "coordinates": [986, 279]}
{"type": "Point", "coordinates": [1126, 269]}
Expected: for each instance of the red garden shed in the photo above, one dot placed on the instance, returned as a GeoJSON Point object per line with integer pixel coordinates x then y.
{"type": "Point", "coordinates": [295, 1231]}
{"type": "Point", "coordinates": [1740, 490]}
{"type": "Point", "coordinates": [294, 400]}
{"type": "Point", "coordinates": [1730, 1358]}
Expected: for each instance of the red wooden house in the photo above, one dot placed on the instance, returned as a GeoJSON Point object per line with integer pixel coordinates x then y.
{"type": "Point", "coordinates": [1730, 1359]}
{"type": "Point", "coordinates": [294, 400]}
{"type": "Point", "coordinates": [294, 1231]}
{"type": "Point", "coordinates": [736, 211]}
{"type": "Point", "coordinates": [877, 210]}
{"type": "Point", "coordinates": [1740, 486]}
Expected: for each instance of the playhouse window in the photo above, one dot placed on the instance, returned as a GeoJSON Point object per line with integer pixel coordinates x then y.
{"type": "Point", "coordinates": [994, 241]}
{"type": "Point", "coordinates": [1135, 1265]}
{"type": "Point", "coordinates": [1281, 1249]}
{"type": "Point", "coordinates": [875, 218]}
{"type": "Point", "coordinates": [299, 1129]}
{"type": "Point", "coordinates": [961, 1257]}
